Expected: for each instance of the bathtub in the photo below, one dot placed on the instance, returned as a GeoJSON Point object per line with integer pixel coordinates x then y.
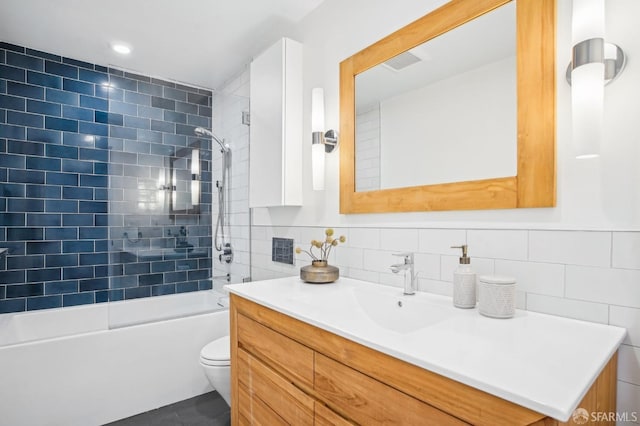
{"type": "Point", "coordinates": [94, 364]}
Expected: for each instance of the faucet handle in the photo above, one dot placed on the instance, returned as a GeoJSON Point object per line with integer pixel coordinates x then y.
{"type": "Point", "coordinates": [407, 256]}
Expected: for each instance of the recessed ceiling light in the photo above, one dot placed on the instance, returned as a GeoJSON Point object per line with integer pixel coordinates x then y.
{"type": "Point", "coordinates": [120, 48]}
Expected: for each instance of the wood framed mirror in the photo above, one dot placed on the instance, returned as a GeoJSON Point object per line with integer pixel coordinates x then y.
{"type": "Point", "coordinates": [534, 184]}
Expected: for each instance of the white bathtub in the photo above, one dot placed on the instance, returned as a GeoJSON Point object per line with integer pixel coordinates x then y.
{"type": "Point", "coordinates": [94, 364]}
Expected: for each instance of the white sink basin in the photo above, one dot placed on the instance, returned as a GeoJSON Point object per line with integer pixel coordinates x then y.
{"type": "Point", "coordinates": [378, 307]}
{"type": "Point", "coordinates": [394, 311]}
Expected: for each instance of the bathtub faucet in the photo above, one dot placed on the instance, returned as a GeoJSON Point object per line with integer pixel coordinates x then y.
{"type": "Point", "coordinates": [410, 284]}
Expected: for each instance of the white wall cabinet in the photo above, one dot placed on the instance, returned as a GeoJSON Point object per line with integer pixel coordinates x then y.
{"type": "Point", "coordinates": [275, 146]}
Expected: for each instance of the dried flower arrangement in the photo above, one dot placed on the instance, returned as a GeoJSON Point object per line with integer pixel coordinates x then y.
{"type": "Point", "coordinates": [323, 246]}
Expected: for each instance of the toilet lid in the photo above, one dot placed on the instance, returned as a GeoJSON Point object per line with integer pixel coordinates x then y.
{"type": "Point", "coordinates": [218, 350]}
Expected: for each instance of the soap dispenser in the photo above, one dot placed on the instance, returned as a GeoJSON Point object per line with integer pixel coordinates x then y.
{"type": "Point", "coordinates": [464, 282]}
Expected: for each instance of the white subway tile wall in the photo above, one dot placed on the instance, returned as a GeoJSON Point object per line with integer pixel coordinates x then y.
{"type": "Point", "coordinates": [571, 247]}
{"type": "Point", "coordinates": [628, 318]}
{"type": "Point", "coordinates": [368, 148]}
{"type": "Point", "coordinates": [605, 285]}
{"type": "Point", "coordinates": [629, 369]}
{"type": "Point", "coordinates": [440, 241]}
{"type": "Point", "coordinates": [626, 246]}
{"type": "Point", "coordinates": [427, 265]}
{"type": "Point", "coordinates": [498, 244]}
{"type": "Point", "coordinates": [364, 237]}
{"type": "Point", "coordinates": [399, 240]}
{"type": "Point", "coordinates": [533, 277]}
{"type": "Point", "coordinates": [585, 275]}
{"type": "Point", "coordinates": [628, 399]}
{"type": "Point", "coordinates": [230, 101]}
{"type": "Point", "coordinates": [570, 308]}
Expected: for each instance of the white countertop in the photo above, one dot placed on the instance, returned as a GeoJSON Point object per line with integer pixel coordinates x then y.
{"type": "Point", "coordinates": [541, 362]}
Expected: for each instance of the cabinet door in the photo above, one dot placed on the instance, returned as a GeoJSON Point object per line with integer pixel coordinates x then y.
{"type": "Point", "coordinates": [370, 402]}
{"type": "Point", "coordinates": [275, 146]}
{"type": "Point", "coordinates": [269, 394]}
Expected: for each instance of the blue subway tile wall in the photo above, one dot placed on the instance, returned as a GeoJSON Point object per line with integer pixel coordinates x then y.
{"type": "Point", "coordinates": [84, 151]}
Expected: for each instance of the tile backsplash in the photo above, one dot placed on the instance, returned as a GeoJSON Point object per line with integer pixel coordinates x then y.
{"type": "Point", "coordinates": [586, 275]}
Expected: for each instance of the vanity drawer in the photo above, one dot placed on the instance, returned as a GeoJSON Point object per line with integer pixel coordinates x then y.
{"type": "Point", "coordinates": [278, 394]}
{"type": "Point", "coordinates": [368, 401]}
{"type": "Point", "coordinates": [325, 416]}
{"type": "Point", "coordinates": [253, 411]}
{"type": "Point", "coordinates": [290, 358]}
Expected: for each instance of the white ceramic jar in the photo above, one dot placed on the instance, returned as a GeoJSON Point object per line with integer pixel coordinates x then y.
{"type": "Point", "coordinates": [497, 296]}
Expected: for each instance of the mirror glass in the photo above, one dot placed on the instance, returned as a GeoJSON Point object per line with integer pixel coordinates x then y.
{"type": "Point", "coordinates": [444, 111]}
{"type": "Point", "coordinates": [184, 176]}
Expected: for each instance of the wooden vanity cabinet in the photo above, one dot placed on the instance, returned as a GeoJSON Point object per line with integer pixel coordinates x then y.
{"type": "Point", "coordinates": [285, 371]}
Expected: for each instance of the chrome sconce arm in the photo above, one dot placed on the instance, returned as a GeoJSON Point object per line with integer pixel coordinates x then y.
{"type": "Point", "coordinates": [329, 139]}
{"type": "Point", "coordinates": [598, 50]}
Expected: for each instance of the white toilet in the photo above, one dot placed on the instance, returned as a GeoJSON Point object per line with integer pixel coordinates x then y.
{"type": "Point", "coordinates": [215, 358]}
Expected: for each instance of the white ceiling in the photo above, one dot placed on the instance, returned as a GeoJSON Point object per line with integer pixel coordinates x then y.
{"type": "Point", "coordinates": [202, 42]}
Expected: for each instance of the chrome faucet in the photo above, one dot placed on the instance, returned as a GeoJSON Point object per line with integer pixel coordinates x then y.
{"type": "Point", "coordinates": [410, 284]}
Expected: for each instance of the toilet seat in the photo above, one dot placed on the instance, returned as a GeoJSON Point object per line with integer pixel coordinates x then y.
{"type": "Point", "coordinates": [217, 353]}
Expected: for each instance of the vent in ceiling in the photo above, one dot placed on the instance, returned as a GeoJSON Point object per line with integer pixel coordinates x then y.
{"type": "Point", "coordinates": [402, 61]}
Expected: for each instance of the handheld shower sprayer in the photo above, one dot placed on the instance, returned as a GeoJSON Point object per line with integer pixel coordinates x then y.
{"type": "Point", "coordinates": [201, 131]}
{"type": "Point", "coordinates": [219, 238]}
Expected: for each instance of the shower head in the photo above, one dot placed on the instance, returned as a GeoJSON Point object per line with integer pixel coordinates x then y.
{"type": "Point", "coordinates": [201, 131]}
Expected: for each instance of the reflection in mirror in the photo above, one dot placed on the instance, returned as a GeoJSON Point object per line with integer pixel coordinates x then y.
{"type": "Point", "coordinates": [444, 111]}
{"type": "Point", "coordinates": [184, 177]}
{"type": "Point", "coordinates": [534, 184]}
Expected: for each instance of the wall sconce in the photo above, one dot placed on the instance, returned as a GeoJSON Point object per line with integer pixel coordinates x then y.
{"type": "Point", "coordinates": [162, 185]}
{"type": "Point", "coordinates": [174, 188]}
{"type": "Point", "coordinates": [321, 142]}
{"type": "Point", "coordinates": [195, 177]}
{"type": "Point", "coordinates": [594, 64]}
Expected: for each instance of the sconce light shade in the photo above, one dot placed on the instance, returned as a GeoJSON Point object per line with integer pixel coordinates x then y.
{"type": "Point", "coordinates": [195, 177]}
{"type": "Point", "coordinates": [317, 143]}
{"type": "Point", "coordinates": [195, 192]}
{"type": "Point", "coordinates": [587, 103]}
{"type": "Point", "coordinates": [321, 142]}
{"type": "Point", "coordinates": [587, 76]}
{"type": "Point", "coordinates": [195, 162]}
{"type": "Point", "coordinates": [161, 179]}
{"type": "Point", "coordinates": [174, 190]}
{"type": "Point", "coordinates": [161, 187]}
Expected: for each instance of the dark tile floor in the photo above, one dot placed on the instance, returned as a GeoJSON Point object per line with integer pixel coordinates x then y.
{"type": "Point", "coordinates": [208, 409]}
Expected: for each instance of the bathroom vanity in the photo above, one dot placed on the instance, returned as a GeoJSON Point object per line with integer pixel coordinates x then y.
{"type": "Point", "coordinates": [353, 352]}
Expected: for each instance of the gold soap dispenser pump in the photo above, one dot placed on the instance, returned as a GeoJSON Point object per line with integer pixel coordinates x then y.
{"type": "Point", "coordinates": [464, 282]}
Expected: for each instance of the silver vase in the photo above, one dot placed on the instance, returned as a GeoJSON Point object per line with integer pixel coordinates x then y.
{"type": "Point", "coordinates": [319, 272]}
